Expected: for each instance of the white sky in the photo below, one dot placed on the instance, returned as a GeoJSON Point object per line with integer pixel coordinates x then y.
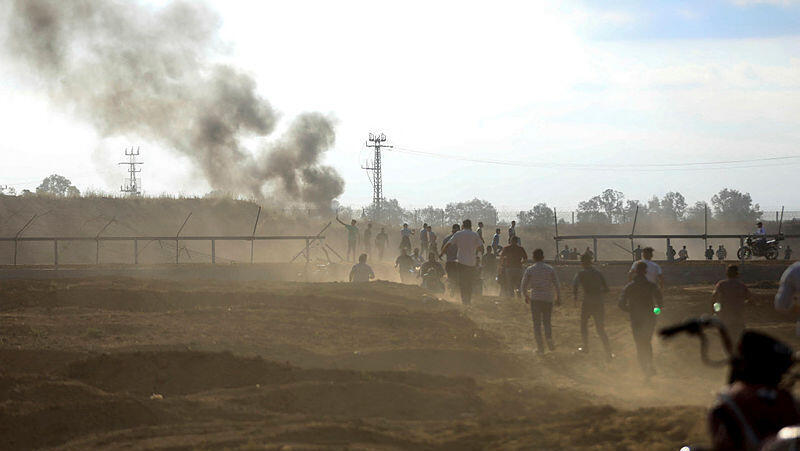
{"type": "Point", "coordinates": [516, 81]}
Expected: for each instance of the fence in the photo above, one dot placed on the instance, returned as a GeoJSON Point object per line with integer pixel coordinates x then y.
{"type": "Point", "coordinates": [309, 240]}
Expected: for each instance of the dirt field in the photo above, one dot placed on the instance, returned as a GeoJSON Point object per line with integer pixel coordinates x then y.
{"type": "Point", "coordinates": [130, 363]}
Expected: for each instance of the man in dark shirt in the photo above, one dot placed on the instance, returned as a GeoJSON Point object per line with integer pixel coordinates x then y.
{"type": "Point", "coordinates": [638, 298]}
{"type": "Point", "coordinates": [513, 257]}
{"type": "Point", "coordinates": [637, 253]}
{"type": "Point", "coordinates": [489, 265]}
{"type": "Point", "coordinates": [405, 265]}
{"type": "Point", "coordinates": [381, 240]}
{"type": "Point", "coordinates": [594, 287]}
{"type": "Point", "coordinates": [432, 272]}
{"type": "Point", "coordinates": [710, 253]}
{"type": "Point", "coordinates": [728, 302]}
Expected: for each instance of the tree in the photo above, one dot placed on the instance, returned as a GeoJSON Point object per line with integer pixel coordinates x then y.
{"type": "Point", "coordinates": [605, 207]}
{"type": "Point", "coordinates": [539, 216]}
{"type": "Point", "coordinates": [477, 210]}
{"type": "Point", "coordinates": [7, 190]}
{"type": "Point", "coordinates": [57, 185]}
{"type": "Point", "coordinates": [732, 205]}
{"type": "Point", "coordinates": [431, 215]}
{"type": "Point", "coordinates": [697, 212]}
{"type": "Point", "coordinates": [673, 206]}
{"type": "Point", "coordinates": [391, 213]}
{"type": "Point", "coordinates": [629, 211]}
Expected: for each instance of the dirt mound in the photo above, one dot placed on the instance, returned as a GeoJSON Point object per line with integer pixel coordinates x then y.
{"type": "Point", "coordinates": [764, 284]}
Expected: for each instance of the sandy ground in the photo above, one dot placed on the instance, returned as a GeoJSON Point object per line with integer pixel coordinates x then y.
{"type": "Point", "coordinates": [124, 363]}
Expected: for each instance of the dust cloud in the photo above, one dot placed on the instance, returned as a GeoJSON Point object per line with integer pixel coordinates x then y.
{"type": "Point", "coordinates": [131, 69]}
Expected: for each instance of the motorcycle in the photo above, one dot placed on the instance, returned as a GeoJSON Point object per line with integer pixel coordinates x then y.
{"type": "Point", "coordinates": [432, 282]}
{"type": "Point", "coordinates": [760, 247]}
{"type": "Point", "coordinates": [787, 437]}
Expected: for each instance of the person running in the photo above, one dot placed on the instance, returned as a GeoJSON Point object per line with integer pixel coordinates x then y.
{"type": "Point", "coordinates": [423, 239]}
{"type": "Point", "coordinates": [431, 273]}
{"type": "Point", "coordinates": [594, 287]}
{"type": "Point", "coordinates": [710, 253]}
{"type": "Point", "coordinates": [787, 253]}
{"type": "Point", "coordinates": [654, 274]}
{"type": "Point", "coordinates": [512, 231]}
{"type": "Point", "coordinates": [451, 265]}
{"type": "Point", "coordinates": [638, 298]}
{"type": "Point", "coordinates": [405, 238]}
{"type": "Point", "coordinates": [637, 253]}
{"type": "Point", "coordinates": [514, 256]}
{"type": "Point", "coordinates": [489, 270]}
{"type": "Point", "coordinates": [405, 266]}
{"type": "Point", "coordinates": [432, 245]}
{"type": "Point", "coordinates": [352, 237]}
{"type": "Point", "coordinates": [368, 239]}
{"type": "Point", "coordinates": [496, 242]}
{"type": "Point", "coordinates": [728, 301]}
{"type": "Point", "coordinates": [540, 287]}
{"type": "Point", "coordinates": [381, 240]}
{"type": "Point", "coordinates": [361, 272]}
{"type": "Point", "coordinates": [722, 253]}
{"type": "Point", "coordinates": [480, 233]}
{"type": "Point", "coordinates": [467, 242]}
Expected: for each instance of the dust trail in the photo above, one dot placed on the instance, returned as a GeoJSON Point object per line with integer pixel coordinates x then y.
{"type": "Point", "coordinates": [131, 69]}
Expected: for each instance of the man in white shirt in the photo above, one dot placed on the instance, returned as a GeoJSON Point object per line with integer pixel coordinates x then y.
{"type": "Point", "coordinates": [653, 270]}
{"type": "Point", "coordinates": [789, 287]}
{"type": "Point", "coordinates": [541, 290]}
{"type": "Point", "coordinates": [468, 243]}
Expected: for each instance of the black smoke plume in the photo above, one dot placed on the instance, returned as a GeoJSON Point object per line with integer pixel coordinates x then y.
{"type": "Point", "coordinates": [130, 69]}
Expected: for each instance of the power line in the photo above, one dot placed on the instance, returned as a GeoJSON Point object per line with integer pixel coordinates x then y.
{"type": "Point", "coordinates": [644, 167]}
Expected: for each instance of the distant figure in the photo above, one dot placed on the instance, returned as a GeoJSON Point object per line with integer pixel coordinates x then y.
{"type": "Point", "coordinates": [653, 270]}
{"type": "Point", "coordinates": [564, 254]}
{"type": "Point", "coordinates": [787, 253]}
{"type": "Point", "coordinates": [513, 257]}
{"type": "Point", "coordinates": [683, 254]}
{"type": "Point", "coordinates": [496, 241]}
{"type": "Point", "coordinates": [512, 231]}
{"type": "Point", "coordinates": [722, 253]}
{"type": "Point", "coordinates": [589, 253]}
{"type": "Point", "coordinates": [451, 265]}
{"type": "Point", "coordinates": [405, 238]}
{"type": "Point", "coordinates": [731, 295]}
{"type": "Point", "coordinates": [489, 270]}
{"type": "Point", "coordinates": [638, 298]}
{"type": "Point", "coordinates": [710, 253]}
{"type": "Point", "coordinates": [381, 240]}
{"type": "Point", "coordinates": [405, 266]}
{"type": "Point", "coordinates": [466, 242]}
{"type": "Point", "coordinates": [637, 253]}
{"type": "Point", "coordinates": [540, 287]}
{"type": "Point", "coordinates": [760, 230]}
{"type": "Point", "coordinates": [361, 272]}
{"type": "Point", "coordinates": [480, 233]}
{"type": "Point", "coordinates": [789, 287]}
{"type": "Point", "coordinates": [368, 239]}
{"type": "Point", "coordinates": [670, 253]}
{"type": "Point", "coordinates": [432, 245]}
{"type": "Point", "coordinates": [423, 239]}
{"type": "Point", "coordinates": [352, 237]}
{"type": "Point", "coordinates": [594, 287]}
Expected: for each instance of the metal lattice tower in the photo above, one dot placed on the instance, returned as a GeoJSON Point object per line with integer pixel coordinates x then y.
{"type": "Point", "coordinates": [133, 185]}
{"type": "Point", "coordinates": [376, 142]}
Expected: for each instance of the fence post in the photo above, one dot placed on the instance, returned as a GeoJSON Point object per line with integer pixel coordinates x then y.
{"type": "Point", "coordinates": [135, 252]}
{"type": "Point", "coordinates": [15, 252]}
{"type": "Point", "coordinates": [97, 251]}
{"type": "Point", "coordinates": [308, 257]}
{"type": "Point", "coordinates": [594, 243]}
{"type": "Point", "coordinates": [177, 250]}
{"type": "Point", "coordinates": [213, 252]}
{"type": "Point", "coordinates": [55, 252]}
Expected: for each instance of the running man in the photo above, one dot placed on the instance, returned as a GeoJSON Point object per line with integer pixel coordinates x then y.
{"type": "Point", "coordinates": [512, 231]}
{"type": "Point", "coordinates": [653, 270]}
{"type": "Point", "coordinates": [405, 238]}
{"type": "Point", "coordinates": [423, 239]}
{"type": "Point", "coordinates": [361, 272]}
{"type": "Point", "coordinates": [468, 244]}
{"type": "Point", "coordinates": [540, 288]}
{"type": "Point", "coordinates": [405, 265]}
{"type": "Point", "coordinates": [381, 240]}
{"type": "Point", "coordinates": [496, 242]}
{"type": "Point", "coordinates": [352, 237]}
{"type": "Point", "coordinates": [451, 265]}
{"type": "Point", "coordinates": [368, 239]}
{"type": "Point", "coordinates": [513, 256]}
{"type": "Point", "coordinates": [731, 295]}
{"type": "Point", "coordinates": [480, 232]}
{"type": "Point", "coordinates": [639, 298]}
{"type": "Point", "coordinates": [594, 288]}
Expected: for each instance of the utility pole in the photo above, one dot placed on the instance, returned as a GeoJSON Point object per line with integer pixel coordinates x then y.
{"type": "Point", "coordinates": [376, 141]}
{"type": "Point", "coordinates": [133, 186]}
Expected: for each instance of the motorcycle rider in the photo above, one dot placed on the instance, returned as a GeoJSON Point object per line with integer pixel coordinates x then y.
{"type": "Point", "coordinates": [432, 272]}
{"type": "Point", "coordinates": [760, 235]}
{"type": "Point", "coordinates": [405, 265]}
{"type": "Point", "coordinates": [753, 408]}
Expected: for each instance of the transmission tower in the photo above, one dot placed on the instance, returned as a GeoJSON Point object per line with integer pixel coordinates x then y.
{"type": "Point", "coordinates": [376, 141]}
{"type": "Point", "coordinates": [133, 185]}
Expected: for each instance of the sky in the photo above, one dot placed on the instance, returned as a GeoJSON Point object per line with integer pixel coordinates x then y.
{"type": "Point", "coordinates": [584, 95]}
